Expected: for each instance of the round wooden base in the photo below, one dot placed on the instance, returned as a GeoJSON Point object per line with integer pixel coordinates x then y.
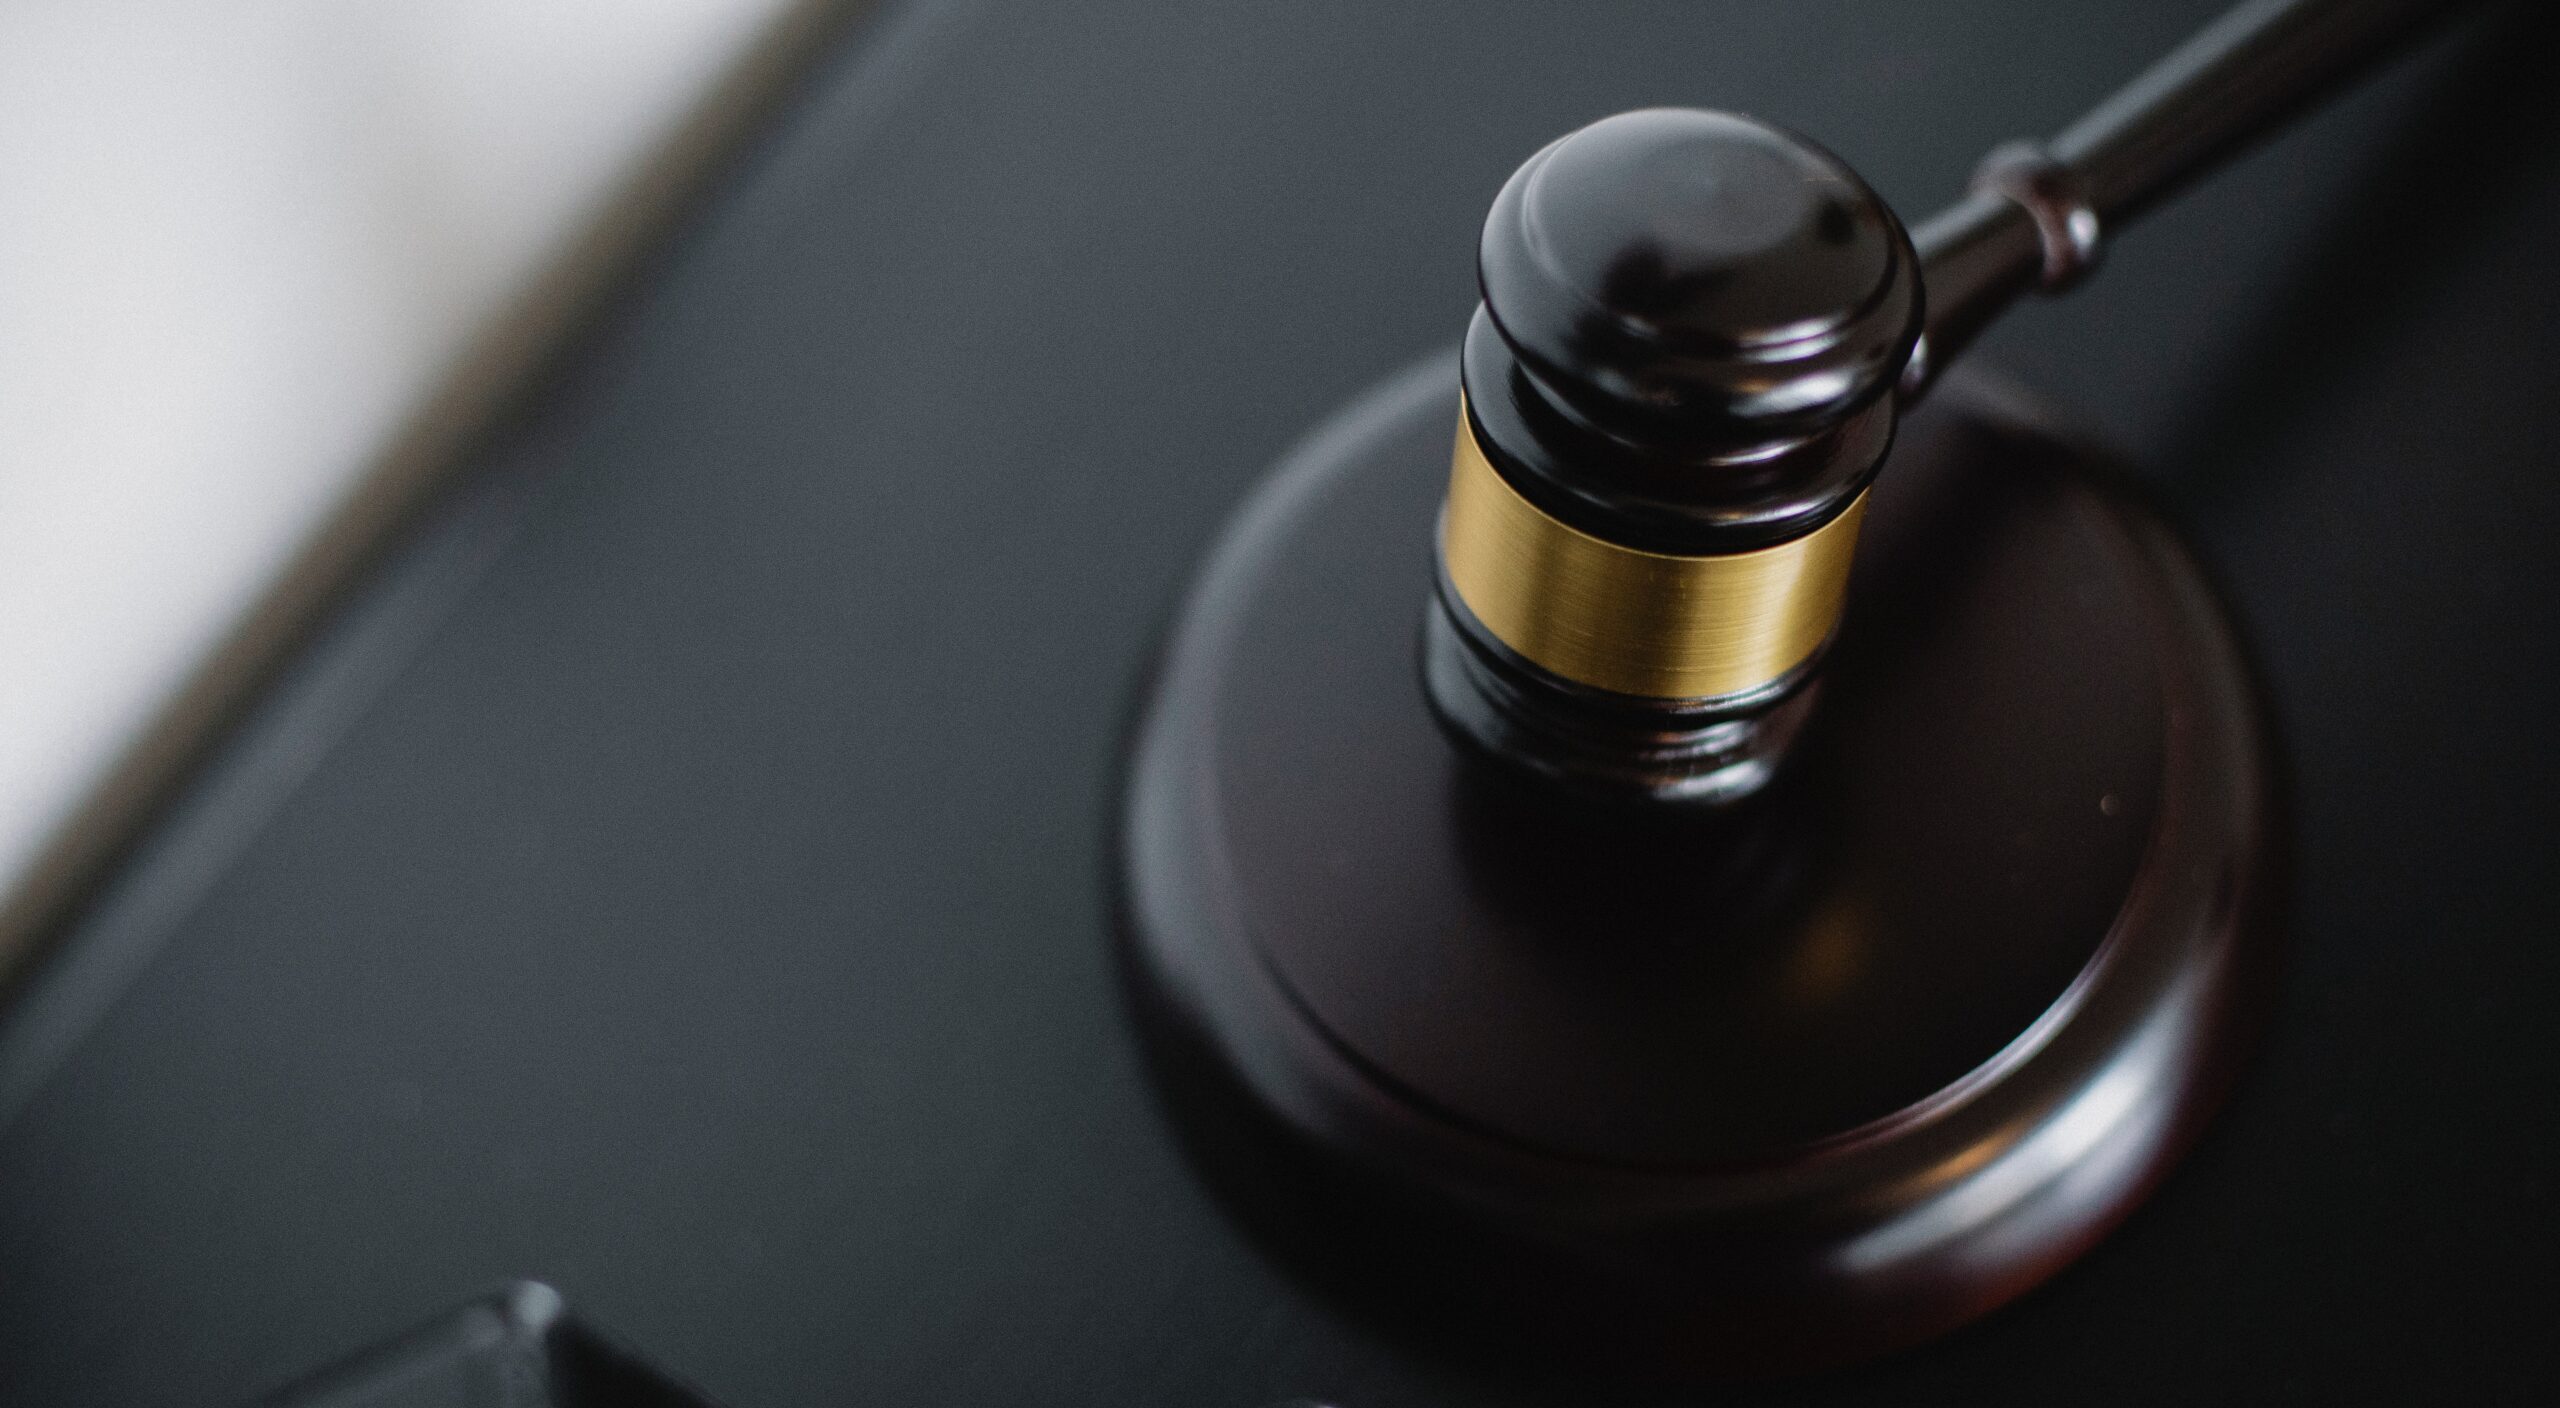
{"type": "Point", "coordinates": [1704, 1095]}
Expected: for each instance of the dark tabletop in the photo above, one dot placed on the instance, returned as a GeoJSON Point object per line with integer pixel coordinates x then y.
{"type": "Point", "coordinates": [678, 873]}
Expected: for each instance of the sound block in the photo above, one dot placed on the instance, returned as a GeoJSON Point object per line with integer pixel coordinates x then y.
{"type": "Point", "coordinates": [1690, 1094]}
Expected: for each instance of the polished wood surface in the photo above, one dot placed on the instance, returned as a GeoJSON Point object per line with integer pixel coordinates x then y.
{"type": "Point", "coordinates": [1692, 324]}
{"type": "Point", "coordinates": [1680, 381]}
{"type": "Point", "coordinates": [1772, 1088]}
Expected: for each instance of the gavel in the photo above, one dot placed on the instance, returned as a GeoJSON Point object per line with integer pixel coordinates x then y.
{"type": "Point", "coordinates": [1819, 871]}
{"type": "Point", "coordinates": [1697, 335]}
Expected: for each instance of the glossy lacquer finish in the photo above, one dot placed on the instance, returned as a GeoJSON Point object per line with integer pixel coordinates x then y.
{"type": "Point", "coordinates": [1691, 320]}
{"type": "Point", "coordinates": [1679, 384]}
{"type": "Point", "coordinates": [1688, 1095]}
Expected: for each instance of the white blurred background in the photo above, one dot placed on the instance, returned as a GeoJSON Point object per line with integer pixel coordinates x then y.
{"type": "Point", "coordinates": [245, 249]}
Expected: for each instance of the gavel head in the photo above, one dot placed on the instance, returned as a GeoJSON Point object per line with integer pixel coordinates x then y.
{"type": "Point", "coordinates": [1676, 391]}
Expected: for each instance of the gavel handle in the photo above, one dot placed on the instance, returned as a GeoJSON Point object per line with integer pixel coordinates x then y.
{"type": "Point", "coordinates": [2038, 213]}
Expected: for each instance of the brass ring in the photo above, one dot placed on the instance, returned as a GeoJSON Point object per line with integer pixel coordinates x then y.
{"type": "Point", "coordinates": [1651, 624]}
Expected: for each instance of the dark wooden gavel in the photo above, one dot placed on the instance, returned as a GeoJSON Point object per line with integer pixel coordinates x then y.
{"type": "Point", "coordinates": [1698, 332]}
{"type": "Point", "coordinates": [1699, 1085]}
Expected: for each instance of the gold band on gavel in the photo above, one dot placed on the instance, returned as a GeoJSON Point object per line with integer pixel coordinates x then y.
{"type": "Point", "coordinates": [1645, 623]}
